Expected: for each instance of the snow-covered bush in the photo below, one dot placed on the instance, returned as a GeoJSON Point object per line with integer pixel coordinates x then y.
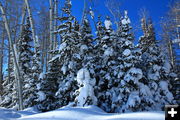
{"type": "Point", "coordinates": [85, 94]}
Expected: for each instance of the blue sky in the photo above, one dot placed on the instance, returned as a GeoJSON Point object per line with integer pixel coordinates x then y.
{"type": "Point", "coordinates": [156, 9]}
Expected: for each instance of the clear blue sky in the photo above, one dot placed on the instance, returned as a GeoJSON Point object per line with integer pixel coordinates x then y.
{"type": "Point", "coordinates": [156, 8]}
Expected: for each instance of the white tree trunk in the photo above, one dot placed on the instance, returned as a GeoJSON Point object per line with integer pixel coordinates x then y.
{"type": "Point", "coordinates": [14, 58]}
{"type": "Point", "coordinates": [55, 22]}
{"type": "Point", "coordinates": [23, 17]}
{"type": "Point", "coordinates": [83, 14]}
{"type": "Point", "coordinates": [9, 61]}
{"type": "Point", "coordinates": [171, 53]}
{"type": "Point", "coordinates": [31, 22]}
{"type": "Point", "coordinates": [1, 62]}
{"type": "Point", "coordinates": [51, 26]}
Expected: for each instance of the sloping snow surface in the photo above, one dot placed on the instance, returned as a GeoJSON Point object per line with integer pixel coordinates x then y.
{"type": "Point", "coordinates": [77, 113]}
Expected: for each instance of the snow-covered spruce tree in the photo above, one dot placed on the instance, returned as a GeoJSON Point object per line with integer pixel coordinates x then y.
{"type": "Point", "coordinates": [157, 70]}
{"type": "Point", "coordinates": [126, 92]}
{"type": "Point", "coordinates": [86, 41]}
{"type": "Point", "coordinates": [10, 96]}
{"type": "Point", "coordinates": [87, 49]}
{"type": "Point", "coordinates": [126, 87]}
{"type": "Point", "coordinates": [25, 55]}
{"type": "Point", "coordinates": [36, 72]}
{"type": "Point", "coordinates": [7, 93]}
{"type": "Point", "coordinates": [124, 28]}
{"type": "Point", "coordinates": [106, 64]}
{"type": "Point", "coordinates": [149, 37]}
{"type": "Point", "coordinates": [6, 98]}
{"type": "Point", "coordinates": [48, 87]}
{"type": "Point", "coordinates": [60, 84]}
{"type": "Point", "coordinates": [88, 65]}
{"type": "Point", "coordinates": [68, 56]}
{"type": "Point", "coordinates": [100, 33]}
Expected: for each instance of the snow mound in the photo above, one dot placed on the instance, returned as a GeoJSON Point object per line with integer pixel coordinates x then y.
{"type": "Point", "coordinates": [92, 113]}
{"type": "Point", "coordinates": [10, 114]}
{"type": "Point", "coordinates": [77, 113]}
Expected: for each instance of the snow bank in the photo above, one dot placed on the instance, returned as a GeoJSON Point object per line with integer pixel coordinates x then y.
{"type": "Point", "coordinates": [10, 114]}
{"type": "Point", "coordinates": [77, 113]}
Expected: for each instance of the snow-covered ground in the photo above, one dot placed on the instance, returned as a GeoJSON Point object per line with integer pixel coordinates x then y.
{"type": "Point", "coordinates": [10, 114]}
{"type": "Point", "coordinates": [77, 113]}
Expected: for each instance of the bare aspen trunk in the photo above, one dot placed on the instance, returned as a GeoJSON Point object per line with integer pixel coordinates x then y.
{"type": "Point", "coordinates": [37, 43]}
{"type": "Point", "coordinates": [14, 58]}
{"type": "Point", "coordinates": [44, 36]}
{"type": "Point", "coordinates": [23, 18]}
{"type": "Point", "coordinates": [46, 48]}
{"type": "Point", "coordinates": [55, 22]}
{"type": "Point", "coordinates": [46, 61]}
{"type": "Point", "coordinates": [1, 62]}
{"type": "Point", "coordinates": [51, 26]}
{"type": "Point", "coordinates": [9, 51]}
{"type": "Point", "coordinates": [31, 22]}
{"type": "Point", "coordinates": [9, 60]}
{"type": "Point", "coordinates": [113, 7]}
{"type": "Point", "coordinates": [84, 10]}
{"type": "Point", "coordinates": [171, 53]}
{"type": "Point", "coordinates": [42, 55]}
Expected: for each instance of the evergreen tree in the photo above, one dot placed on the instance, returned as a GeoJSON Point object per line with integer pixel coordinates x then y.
{"type": "Point", "coordinates": [86, 74]}
{"type": "Point", "coordinates": [149, 37]}
{"type": "Point", "coordinates": [125, 91]}
{"type": "Point", "coordinates": [124, 29]}
{"type": "Point", "coordinates": [36, 73]}
{"type": "Point", "coordinates": [126, 94]}
{"type": "Point", "coordinates": [12, 88]}
{"type": "Point", "coordinates": [68, 56]}
{"type": "Point", "coordinates": [25, 55]}
{"type": "Point", "coordinates": [9, 97]}
{"type": "Point", "coordinates": [100, 30]}
{"type": "Point", "coordinates": [63, 66]}
{"type": "Point", "coordinates": [157, 70]}
{"type": "Point", "coordinates": [97, 51]}
{"type": "Point", "coordinates": [106, 65]}
{"type": "Point", "coordinates": [48, 87]}
{"type": "Point", "coordinates": [159, 75]}
{"type": "Point", "coordinates": [87, 48]}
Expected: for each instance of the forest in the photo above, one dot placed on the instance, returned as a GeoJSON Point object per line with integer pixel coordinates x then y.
{"type": "Point", "coordinates": [49, 58]}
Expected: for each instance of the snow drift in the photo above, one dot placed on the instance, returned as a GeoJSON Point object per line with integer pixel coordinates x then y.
{"type": "Point", "coordinates": [77, 113]}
